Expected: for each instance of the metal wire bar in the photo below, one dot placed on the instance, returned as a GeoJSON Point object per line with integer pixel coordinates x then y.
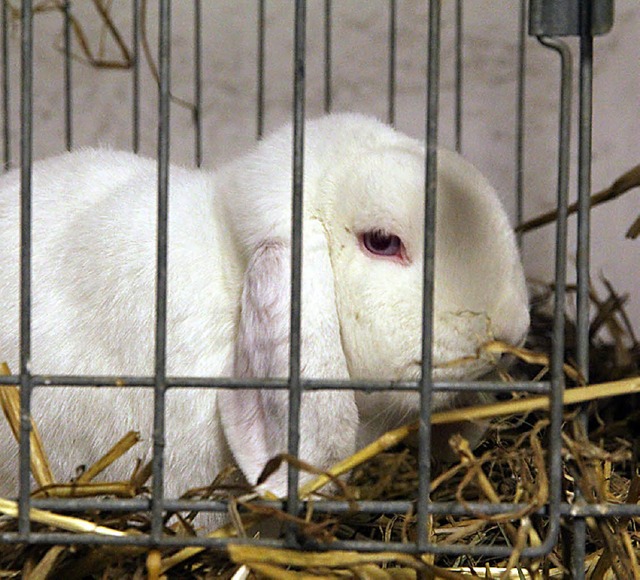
{"type": "Point", "coordinates": [197, 79]}
{"type": "Point", "coordinates": [520, 116]}
{"type": "Point", "coordinates": [557, 354]}
{"type": "Point", "coordinates": [459, 35]}
{"type": "Point", "coordinates": [391, 78]}
{"type": "Point", "coordinates": [6, 128]}
{"type": "Point", "coordinates": [426, 380]}
{"type": "Point", "coordinates": [26, 149]}
{"type": "Point", "coordinates": [164, 65]}
{"type": "Point", "coordinates": [328, 96]}
{"type": "Point", "coordinates": [584, 187]}
{"type": "Point", "coordinates": [579, 539]}
{"type": "Point", "coordinates": [260, 87]}
{"type": "Point", "coordinates": [135, 125]}
{"type": "Point", "coordinates": [68, 103]}
{"type": "Point", "coordinates": [332, 506]}
{"type": "Point", "coordinates": [295, 387]}
{"type": "Point", "coordinates": [539, 387]}
{"type": "Point", "coordinates": [208, 542]}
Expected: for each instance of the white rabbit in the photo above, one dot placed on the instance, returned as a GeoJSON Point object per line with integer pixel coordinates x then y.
{"type": "Point", "coordinates": [228, 299]}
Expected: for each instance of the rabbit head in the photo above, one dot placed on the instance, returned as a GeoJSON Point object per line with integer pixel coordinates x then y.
{"type": "Point", "coordinates": [362, 279]}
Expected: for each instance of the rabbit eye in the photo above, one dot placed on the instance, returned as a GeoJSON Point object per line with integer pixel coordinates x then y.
{"type": "Point", "coordinates": [380, 243]}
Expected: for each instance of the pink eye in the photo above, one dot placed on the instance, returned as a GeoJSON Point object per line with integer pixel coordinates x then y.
{"type": "Point", "coordinates": [380, 243]}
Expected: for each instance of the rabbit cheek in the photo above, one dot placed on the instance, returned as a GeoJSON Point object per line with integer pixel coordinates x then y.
{"type": "Point", "coordinates": [380, 320]}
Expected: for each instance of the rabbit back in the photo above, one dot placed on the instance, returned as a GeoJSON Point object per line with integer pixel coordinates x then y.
{"type": "Point", "coordinates": [93, 289]}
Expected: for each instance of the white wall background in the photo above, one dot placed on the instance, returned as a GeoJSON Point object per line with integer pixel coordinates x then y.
{"type": "Point", "coordinates": [102, 97]}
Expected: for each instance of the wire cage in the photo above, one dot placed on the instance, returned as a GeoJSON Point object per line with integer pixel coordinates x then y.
{"type": "Point", "coordinates": [549, 21]}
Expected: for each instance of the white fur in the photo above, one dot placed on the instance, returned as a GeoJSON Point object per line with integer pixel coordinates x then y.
{"type": "Point", "coordinates": [228, 311]}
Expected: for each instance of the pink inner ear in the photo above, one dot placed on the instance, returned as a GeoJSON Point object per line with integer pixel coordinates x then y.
{"type": "Point", "coordinates": [262, 347]}
{"type": "Point", "coordinates": [255, 429]}
{"type": "Point", "coordinates": [255, 422]}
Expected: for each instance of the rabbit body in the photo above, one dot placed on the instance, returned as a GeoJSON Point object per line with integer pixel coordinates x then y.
{"type": "Point", "coordinates": [94, 232]}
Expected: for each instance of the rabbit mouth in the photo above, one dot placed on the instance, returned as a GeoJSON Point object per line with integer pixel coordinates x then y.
{"type": "Point", "coordinates": [467, 368]}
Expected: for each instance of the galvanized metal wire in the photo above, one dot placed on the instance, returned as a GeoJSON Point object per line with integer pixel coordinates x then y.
{"type": "Point", "coordinates": [164, 104]}
{"type": "Point", "coordinates": [6, 127]}
{"type": "Point", "coordinates": [295, 384]}
{"type": "Point", "coordinates": [26, 152]}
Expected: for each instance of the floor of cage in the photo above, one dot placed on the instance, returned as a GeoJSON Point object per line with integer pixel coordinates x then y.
{"type": "Point", "coordinates": [507, 468]}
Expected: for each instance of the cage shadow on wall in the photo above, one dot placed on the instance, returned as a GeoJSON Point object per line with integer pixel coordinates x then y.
{"type": "Point", "coordinates": [546, 20]}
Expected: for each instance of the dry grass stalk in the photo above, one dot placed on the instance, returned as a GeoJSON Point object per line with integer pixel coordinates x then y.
{"type": "Point", "coordinates": [626, 182]}
{"type": "Point", "coordinates": [497, 347]}
{"type": "Point", "coordinates": [109, 29]}
{"type": "Point", "coordinates": [502, 573]}
{"type": "Point", "coordinates": [10, 401]}
{"type": "Point", "coordinates": [154, 565]}
{"type": "Point", "coordinates": [114, 488]}
{"type": "Point", "coordinates": [82, 38]}
{"type": "Point", "coordinates": [45, 566]}
{"type": "Point", "coordinates": [634, 230]}
{"type": "Point", "coordinates": [251, 555]}
{"type": "Point", "coordinates": [519, 543]}
{"type": "Point", "coordinates": [541, 403]}
{"type": "Point", "coordinates": [71, 524]}
{"type": "Point", "coordinates": [117, 451]}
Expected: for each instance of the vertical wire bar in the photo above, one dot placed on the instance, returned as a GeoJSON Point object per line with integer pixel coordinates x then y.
{"type": "Point", "coordinates": [68, 104]}
{"type": "Point", "coordinates": [327, 57]}
{"type": "Point", "coordinates": [578, 548]}
{"type": "Point", "coordinates": [6, 129]}
{"type": "Point", "coordinates": [197, 75]}
{"type": "Point", "coordinates": [136, 77]}
{"type": "Point", "coordinates": [26, 133]}
{"type": "Point", "coordinates": [295, 394]}
{"type": "Point", "coordinates": [260, 88]}
{"type": "Point", "coordinates": [391, 83]}
{"type": "Point", "coordinates": [584, 185]}
{"type": "Point", "coordinates": [557, 354]}
{"type": "Point", "coordinates": [520, 112]}
{"type": "Point", "coordinates": [164, 56]}
{"type": "Point", "coordinates": [426, 380]}
{"type": "Point", "coordinates": [459, 73]}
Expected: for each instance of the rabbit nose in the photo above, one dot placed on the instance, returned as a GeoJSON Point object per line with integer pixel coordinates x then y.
{"type": "Point", "coordinates": [510, 322]}
{"type": "Point", "coordinates": [514, 337]}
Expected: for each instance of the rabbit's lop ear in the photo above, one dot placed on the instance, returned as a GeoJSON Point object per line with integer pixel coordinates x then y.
{"type": "Point", "coordinates": [255, 421]}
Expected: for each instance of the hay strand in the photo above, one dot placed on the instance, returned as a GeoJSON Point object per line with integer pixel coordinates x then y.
{"type": "Point", "coordinates": [115, 488]}
{"type": "Point", "coordinates": [68, 523]}
{"type": "Point", "coordinates": [10, 402]}
{"type": "Point", "coordinates": [634, 230]}
{"type": "Point", "coordinates": [540, 403]}
{"type": "Point", "coordinates": [44, 568]}
{"type": "Point", "coordinates": [117, 451]}
{"type": "Point", "coordinates": [626, 182]}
